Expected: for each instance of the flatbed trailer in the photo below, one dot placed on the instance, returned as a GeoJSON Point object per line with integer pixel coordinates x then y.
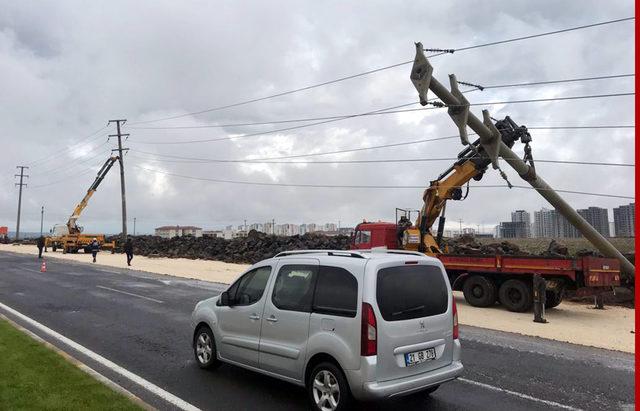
{"type": "Point", "coordinates": [72, 243]}
{"type": "Point", "coordinates": [485, 279]}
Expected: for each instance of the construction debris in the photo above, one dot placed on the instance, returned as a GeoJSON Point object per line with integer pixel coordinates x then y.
{"type": "Point", "coordinates": [255, 247]}
{"type": "Point", "coordinates": [468, 244]}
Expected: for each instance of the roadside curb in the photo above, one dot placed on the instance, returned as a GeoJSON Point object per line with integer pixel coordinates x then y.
{"type": "Point", "coordinates": [93, 373]}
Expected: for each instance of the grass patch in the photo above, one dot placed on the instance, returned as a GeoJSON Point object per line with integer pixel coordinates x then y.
{"type": "Point", "coordinates": [33, 376]}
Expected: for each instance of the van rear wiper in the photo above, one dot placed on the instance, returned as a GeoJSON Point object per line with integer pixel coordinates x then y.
{"type": "Point", "coordinates": [408, 310]}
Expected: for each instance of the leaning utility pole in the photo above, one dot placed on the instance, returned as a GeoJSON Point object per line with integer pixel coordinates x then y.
{"type": "Point", "coordinates": [121, 160]}
{"type": "Point", "coordinates": [494, 147]}
{"type": "Point", "coordinates": [22, 176]}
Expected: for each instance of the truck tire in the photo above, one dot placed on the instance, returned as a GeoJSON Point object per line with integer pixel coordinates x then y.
{"type": "Point", "coordinates": [516, 295]}
{"type": "Point", "coordinates": [479, 291]}
{"type": "Point", "coordinates": [553, 298]}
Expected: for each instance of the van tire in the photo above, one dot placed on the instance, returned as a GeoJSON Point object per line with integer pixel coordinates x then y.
{"type": "Point", "coordinates": [334, 376]}
{"type": "Point", "coordinates": [203, 340]}
{"type": "Point", "coordinates": [479, 291]}
{"type": "Point", "coordinates": [516, 295]}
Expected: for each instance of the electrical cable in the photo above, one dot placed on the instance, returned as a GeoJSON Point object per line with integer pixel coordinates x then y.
{"type": "Point", "coordinates": [382, 69]}
{"type": "Point", "coordinates": [352, 186]}
{"type": "Point", "coordinates": [259, 123]}
{"type": "Point", "coordinates": [384, 111]}
{"type": "Point", "coordinates": [374, 161]}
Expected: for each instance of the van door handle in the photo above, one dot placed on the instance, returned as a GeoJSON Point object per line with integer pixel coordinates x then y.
{"type": "Point", "coordinates": [254, 317]}
{"type": "Point", "coordinates": [272, 319]}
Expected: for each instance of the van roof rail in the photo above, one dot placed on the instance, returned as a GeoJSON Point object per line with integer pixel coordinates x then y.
{"type": "Point", "coordinates": [337, 253]}
{"type": "Point", "coordinates": [382, 250]}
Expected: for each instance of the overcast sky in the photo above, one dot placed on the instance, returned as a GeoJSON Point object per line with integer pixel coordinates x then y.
{"type": "Point", "coordinates": [66, 69]}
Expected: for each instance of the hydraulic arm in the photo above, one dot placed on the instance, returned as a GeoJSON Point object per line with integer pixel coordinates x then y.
{"type": "Point", "coordinates": [71, 224]}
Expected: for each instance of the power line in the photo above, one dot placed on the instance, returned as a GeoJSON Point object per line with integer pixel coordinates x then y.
{"type": "Point", "coordinates": [391, 145]}
{"type": "Point", "coordinates": [57, 154]}
{"type": "Point", "coordinates": [258, 123]}
{"type": "Point", "coordinates": [382, 69]}
{"type": "Point", "coordinates": [65, 167]}
{"type": "Point", "coordinates": [377, 161]}
{"type": "Point", "coordinates": [386, 111]}
{"type": "Point", "coordinates": [352, 186]}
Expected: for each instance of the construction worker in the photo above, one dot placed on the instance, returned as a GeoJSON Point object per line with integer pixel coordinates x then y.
{"type": "Point", "coordinates": [40, 245]}
{"type": "Point", "coordinates": [128, 249]}
{"type": "Point", "coordinates": [94, 247]}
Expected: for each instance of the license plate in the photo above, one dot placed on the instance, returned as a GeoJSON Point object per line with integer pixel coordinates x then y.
{"type": "Point", "coordinates": [418, 357]}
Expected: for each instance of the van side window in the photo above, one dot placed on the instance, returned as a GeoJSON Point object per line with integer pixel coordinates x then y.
{"type": "Point", "coordinates": [336, 292]}
{"type": "Point", "coordinates": [250, 287]}
{"type": "Point", "coordinates": [293, 289]}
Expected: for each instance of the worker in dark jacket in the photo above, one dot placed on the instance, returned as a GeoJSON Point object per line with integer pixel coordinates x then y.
{"type": "Point", "coordinates": [94, 247]}
{"type": "Point", "coordinates": [128, 249]}
{"type": "Point", "coordinates": [40, 245]}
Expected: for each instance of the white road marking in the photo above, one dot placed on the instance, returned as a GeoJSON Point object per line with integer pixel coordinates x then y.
{"type": "Point", "coordinates": [131, 294]}
{"type": "Point", "coordinates": [32, 270]}
{"type": "Point", "coordinates": [519, 394]}
{"type": "Point", "coordinates": [149, 386]}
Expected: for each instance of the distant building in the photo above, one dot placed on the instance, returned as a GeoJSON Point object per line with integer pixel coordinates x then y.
{"type": "Point", "coordinates": [303, 229]}
{"type": "Point", "coordinates": [171, 231]}
{"type": "Point", "coordinates": [522, 216]}
{"type": "Point", "coordinates": [598, 218]}
{"type": "Point", "coordinates": [624, 220]}
{"type": "Point", "coordinates": [330, 227]}
{"type": "Point", "coordinates": [346, 230]}
{"type": "Point", "coordinates": [551, 224]}
{"type": "Point", "coordinates": [312, 227]}
{"type": "Point", "coordinates": [213, 233]}
{"type": "Point", "coordinates": [511, 229]}
{"type": "Point", "coordinates": [257, 227]}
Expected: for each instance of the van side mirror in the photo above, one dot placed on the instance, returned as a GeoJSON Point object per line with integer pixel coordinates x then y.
{"type": "Point", "coordinates": [224, 299]}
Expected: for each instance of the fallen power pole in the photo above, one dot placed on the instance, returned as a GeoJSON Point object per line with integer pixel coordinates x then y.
{"type": "Point", "coordinates": [491, 142]}
{"type": "Point", "coordinates": [21, 184]}
{"type": "Point", "coordinates": [122, 185]}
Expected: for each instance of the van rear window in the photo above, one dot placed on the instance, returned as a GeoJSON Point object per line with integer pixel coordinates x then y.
{"type": "Point", "coordinates": [411, 291]}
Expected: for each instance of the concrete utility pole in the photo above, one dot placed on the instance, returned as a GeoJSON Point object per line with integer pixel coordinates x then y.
{"type": "Point", "coordinates": [134, 226]}
{"type": "Point", "coordinates": [41, 220]}
{"type": "Point", "coordinates": [121, 160]}
{"type": "Point", "coordinates": [22, 176]}
{"type": "Point", "coordinates": [491, 141]}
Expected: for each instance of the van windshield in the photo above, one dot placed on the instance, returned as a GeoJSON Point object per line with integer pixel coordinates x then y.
{"type": "Point", "coordinates": [411, 291]}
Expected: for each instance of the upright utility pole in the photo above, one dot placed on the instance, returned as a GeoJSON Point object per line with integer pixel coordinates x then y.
{"type": "Point", "coordinates": [121, 160]}
{"type": "Point", "coordinates": [134, 226]}
{"type": "Point", "coordinates": [22, 176]}
{"type": "Point", "coordinates": [41, 220]}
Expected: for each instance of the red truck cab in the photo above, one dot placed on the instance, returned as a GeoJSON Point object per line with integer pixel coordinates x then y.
{"type": "Point", "coordinates": [371, 235]}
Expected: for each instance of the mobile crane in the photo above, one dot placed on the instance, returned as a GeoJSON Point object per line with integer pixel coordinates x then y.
{"type": "Point", "coordinates": [70, 237]}
{"type": "Point", "coordinates": [487, 279]}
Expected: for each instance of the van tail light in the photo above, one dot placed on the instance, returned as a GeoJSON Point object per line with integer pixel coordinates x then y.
{"type": "Point", "coordinates": [369, 332]}
{"type": "Point", "coordinates": [455, 320]}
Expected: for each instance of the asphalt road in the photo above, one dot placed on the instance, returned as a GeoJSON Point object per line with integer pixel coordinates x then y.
{"type": "Point", "coordinates": [141, 322]}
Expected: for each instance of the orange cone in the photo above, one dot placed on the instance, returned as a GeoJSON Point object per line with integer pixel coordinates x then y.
{"type": "Point", "coordinates": [43, 267]}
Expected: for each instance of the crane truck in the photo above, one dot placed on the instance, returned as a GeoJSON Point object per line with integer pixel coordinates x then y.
{"type": "Point", "coordinates": [485, 279]}
{"type": "Point", "coordinates": [70, 237]}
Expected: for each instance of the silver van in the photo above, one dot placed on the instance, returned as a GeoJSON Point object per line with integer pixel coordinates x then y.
{"type": "Point", "coordinates": [343, 324]}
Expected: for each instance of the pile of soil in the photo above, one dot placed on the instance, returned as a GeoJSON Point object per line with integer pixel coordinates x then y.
{"type": "Point", "coordinates": [468, 244]}
{"type": "Point", "coordinates": [256, 246]}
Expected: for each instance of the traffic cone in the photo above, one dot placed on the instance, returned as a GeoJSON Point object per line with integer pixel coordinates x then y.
{"type": "Point", "coordinates": [43, 267]}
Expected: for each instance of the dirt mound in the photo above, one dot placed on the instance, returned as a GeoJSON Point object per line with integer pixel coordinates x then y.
{"type": "Point", "coordinates": [254, 247]}
{"type": "Point", "coordinates": [468, 244]}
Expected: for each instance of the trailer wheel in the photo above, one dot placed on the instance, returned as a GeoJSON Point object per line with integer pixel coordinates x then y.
{"type": "Point", "coordinates": [479, 291]}
{"type": "Point", "coordinates": [553, 298]}
{"type": "Point", "coordinates": [516, 295]}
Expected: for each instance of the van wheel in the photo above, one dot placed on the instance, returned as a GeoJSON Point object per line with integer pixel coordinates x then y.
{"type": "Point", "coordinates": [328, 388]}
{"type": "Point", "coordinates": [516, 295]}
{"type": "Point", "coordinates": [204, 349]}
{"type": "Point", "coordinates": [479, 291]}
